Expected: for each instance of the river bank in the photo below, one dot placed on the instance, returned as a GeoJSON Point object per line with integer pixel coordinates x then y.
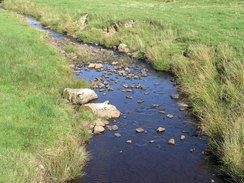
{"type": "Point", "coordinates": [42, 138]}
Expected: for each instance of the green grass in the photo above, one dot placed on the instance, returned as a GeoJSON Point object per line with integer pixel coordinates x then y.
{"type": "Point", "coordinates": [40, 136]}
{"type": "Point", "coordinates": [201, 41]}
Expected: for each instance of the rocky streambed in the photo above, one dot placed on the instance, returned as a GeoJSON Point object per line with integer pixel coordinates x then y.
{"type": "Point", "coordinates": [153, 139]}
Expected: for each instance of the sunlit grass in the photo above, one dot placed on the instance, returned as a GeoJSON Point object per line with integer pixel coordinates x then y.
{"type": "Point", "coordinates": [38, 142]}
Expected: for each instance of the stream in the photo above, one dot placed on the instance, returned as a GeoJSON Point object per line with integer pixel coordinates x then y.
{"type": "Point", "coordinates": [149, 158]}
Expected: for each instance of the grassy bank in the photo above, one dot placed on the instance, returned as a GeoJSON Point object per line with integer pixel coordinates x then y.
{"type": "Point", "coordinates": [40, 136]}
{"type": "Point", "coordinates": [201, 41]}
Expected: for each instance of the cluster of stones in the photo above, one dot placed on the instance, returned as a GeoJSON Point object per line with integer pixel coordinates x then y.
{"type": "Point", "coordinates": [103, 110]}
{"type": "Point", "coordinates": [102, 83]}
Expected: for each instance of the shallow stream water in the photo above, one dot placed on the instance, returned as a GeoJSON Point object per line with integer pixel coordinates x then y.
{"type": "Point", "coordinates": [115, 161]}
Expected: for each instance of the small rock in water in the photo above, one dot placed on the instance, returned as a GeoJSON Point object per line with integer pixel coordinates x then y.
{"type": "Point", "coordinates": [182, 137]}
{"type": "Point", "coordinates": [129, 90]}
{"type": "Point", "coordinates": [170, 116]}
{"type": "Point", "coordinates": [183, 104]}
{"type": "Point", "coordinates": [151, 141]}
{"type": "Point", "coordinates": [129, 97]}
{"type": "Point", "coordinates": [156, 83]}
{"type": "Point", "coordinates": [136, 77]}
{"type": "Point", "coordinates": [171, 141]}
{"type": "Point", "coordinates": [161, 112]}
{"type": "Point", "coordinates": [98, 129]}
{"type": "Point", "coordinates": [147, 93]}
{"type": "Point", "coordinates": [140, 86]}
{"type": "Point", "coordinates": [182, 109]}
{"type": "Point", "coordinates": [129, 141]}
{"type": "Point", "coordinates": [155, 105]}
{"type": "Point", "coordinates": [160, 129]}
{"type": "Point", "coordinates": [104, 94]}
{"type": "Point", "coordinates": [126, 85]}
{"type": "Point", "coordinates": [110, 89]}
{"type": "Point", "coordinates": [117, 135]}
{"type": "Point", "coordinates": [114, 63]}
{"type": "Point", "coordinates": [192, 150]}
{"type": "Point", "coordinates": [102, 90]}
{"type": "Point", "coordinates": [98, 66]}
{"type": "Point", "coordinates": [113, 127]}
{"type": "Point", "coordinates": [90, 66]}
{"type": "Point", "coordinates": [176, 96]}
{"type": "Point", "coordinates": [140, 101]}
{"type": "Point", "coordinates": [140, 130]}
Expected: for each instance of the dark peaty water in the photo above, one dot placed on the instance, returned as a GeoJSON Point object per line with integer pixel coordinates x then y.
{"type": "Point", "coordinates": [115, 161]}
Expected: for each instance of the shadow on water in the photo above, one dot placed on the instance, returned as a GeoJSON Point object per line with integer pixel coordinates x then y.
{"type": "Point", "coordinates": [115, 161]}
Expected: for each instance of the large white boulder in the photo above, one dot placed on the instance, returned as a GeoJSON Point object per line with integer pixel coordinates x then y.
{"type": "Point", "coordinates": [104, 110]}
{"type": "Point", "coordinates": [79, 96]}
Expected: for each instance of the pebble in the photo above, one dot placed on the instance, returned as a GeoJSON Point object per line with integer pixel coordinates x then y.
{"type": "Point", "coordinates": [104, 94]}
{"type": "Point", "coordinates": [161, 112]}
{"type": "Point", "coordinates": [113, 127]}
{"type": "Point", "coordinates": [114, 63]}
{"type": "Point", "coordinates": [126, 86]}
{"type": "Point", "coordinates": [192, 150]}
{"type": "Point", "coordinates": [176, 96]}
{"type": "Point", "coordinates": [171, 141]}
{"type": "Point", "coordinates": [147, 93]}
{"type": "Point", "coordinates": [117, 135]}
{"type": "Point", "coordinates": [170, 116]}
{"type": "Point", "coordinates": [182, 137]}
{"type": "Point", "coordinates": [151, 141]}
{"type": "Point", "coordinates": [129, 141]}
{"type": "Point", "coordinates": [160, 129]}
{"type": "Point", "coordinates": [155, 105]}
{"type": "Point", "coordinates": [183, 104]}
{"type": "Point", "coordinates": [182, 109]}
{"type": "Point", "coordinates": [129, 90]}
{"type": "Point", "coordinates": [129, 97]}
{"type": "Point", "coordinates": [140, 101]}
{"type": "Point", "coordinates": [140, 130]}
{"type": "Point", "coordinates": [140, 86]}
{"type": "Point", "coordinates": [110, 89]}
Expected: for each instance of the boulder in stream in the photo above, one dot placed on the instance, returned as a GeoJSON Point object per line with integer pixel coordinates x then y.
{"type": "Point", "coordinates": [79, 96]}
{"type": "Point", "coordinates": [140, 130]}
{"type": "Point", "coordinates": [98, 129]}
{"type": "Point", "coordinates": [104, 110]}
